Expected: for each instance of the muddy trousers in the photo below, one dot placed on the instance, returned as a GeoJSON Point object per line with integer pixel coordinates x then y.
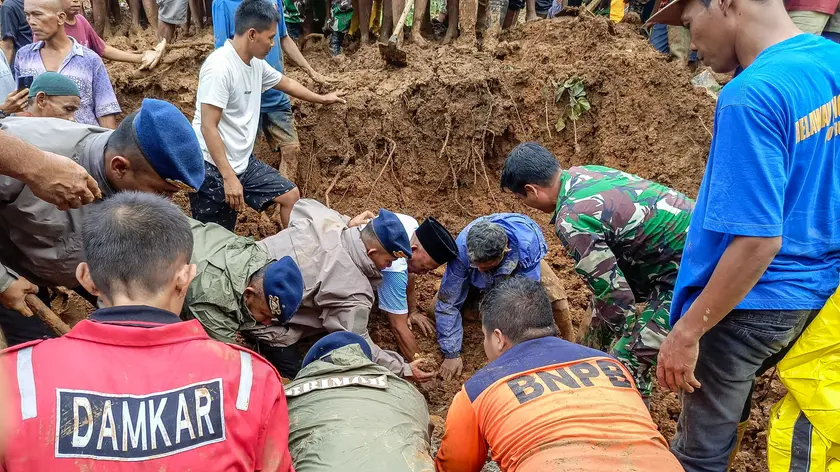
{"type": "Point", "coordinates": [742, 346]}
{"type": "Point", "coordinates": [636, 345]}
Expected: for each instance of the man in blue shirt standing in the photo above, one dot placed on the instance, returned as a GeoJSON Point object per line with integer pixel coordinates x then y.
{"type": "Point", "coordinates": [277, 119]}
{"type": "Point", "coordinates": [490, 250]}
{"type": "Point", "coordinates": [763, 249]}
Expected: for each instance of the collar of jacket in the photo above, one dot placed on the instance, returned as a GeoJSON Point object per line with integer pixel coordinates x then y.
{"type": "Point", "coordinates": [351, 239]}
{"type": "Point", "coordinates": [136, 326]}
{"type": "Point", "coordinates": [563, 195]}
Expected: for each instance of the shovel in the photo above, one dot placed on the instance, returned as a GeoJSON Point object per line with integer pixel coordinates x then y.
{"type": "Point", "coordinates": [390, 52]}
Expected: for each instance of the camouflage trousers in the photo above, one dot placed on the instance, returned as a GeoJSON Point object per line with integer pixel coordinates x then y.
{"type": "Point", "coordinates": [635, 341]}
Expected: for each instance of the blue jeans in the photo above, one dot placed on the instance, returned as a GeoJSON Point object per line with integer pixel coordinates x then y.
{"type": "Point", "coordinates": [742, 346]}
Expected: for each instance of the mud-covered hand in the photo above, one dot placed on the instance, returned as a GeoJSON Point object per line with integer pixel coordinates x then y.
{"type": "Point", "coordinates": [418, 374]}
{"type": "Point", "coordinates": [333, 97]}
{"type": "Point", "coordinates": [152, 57]}
{"type": "Point", "coordinates": [451, 368]}
{"type": "Point", "coordinates": [63, 183]}
{"type": "Point", "coordinates": [15, 101]}
{"type": "Point", "coordinates": [678, 359]}
{"type": "Point", "coordinates": [321, 78]}
{"type": "Point", "coordinates": [426, 326]}
{"type": "Point", "coordinates": [14, 298]}
{"type": "Point", "coordinates": [234, 194]}
{"type": "Point", "coordinates": [362, 218]}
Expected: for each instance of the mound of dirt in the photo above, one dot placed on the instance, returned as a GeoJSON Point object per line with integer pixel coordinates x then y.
{"type": "Point", "coordinates": [431, 138]}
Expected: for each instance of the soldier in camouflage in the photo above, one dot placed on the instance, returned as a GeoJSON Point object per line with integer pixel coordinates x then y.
{"type": "Point", "coordinates": [626, 235]}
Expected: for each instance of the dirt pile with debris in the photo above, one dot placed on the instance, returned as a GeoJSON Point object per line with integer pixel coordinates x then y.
{"type": "Point", "coordinates": [431, 138]}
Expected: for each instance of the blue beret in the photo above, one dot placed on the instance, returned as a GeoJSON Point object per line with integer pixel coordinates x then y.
{"type": "Point", "coordinates": [283, 287]}
{"type": "Point", "coordinates": [168, 141]}
{"type": "Point", "coordinates": [391, 233]}
{"type": "Point", "coordinates": [333, 341]}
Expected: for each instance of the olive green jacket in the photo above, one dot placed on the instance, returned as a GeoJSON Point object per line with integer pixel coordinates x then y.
{"type": "Point", "coordinates": [225, 263]}
{"type": "Point", "coordinates": [348, 414]}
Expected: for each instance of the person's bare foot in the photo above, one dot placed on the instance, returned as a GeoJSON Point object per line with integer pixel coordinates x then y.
{"type": "Point", "coordinates": [450, 36]}
{"type": "Point", "coordinates": [533, 17]}
{"type": "Point", "coordinates": [417, 39]}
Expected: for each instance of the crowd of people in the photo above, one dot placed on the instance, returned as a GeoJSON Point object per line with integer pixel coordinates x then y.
{"type": "Point", "coordinates": [182, 364]}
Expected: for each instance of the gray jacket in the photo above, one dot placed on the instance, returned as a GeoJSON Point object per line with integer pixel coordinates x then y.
{"type": "Point", "coordinates": [337, 277]}
{"type": "Point", "coordinates": [37, 240]}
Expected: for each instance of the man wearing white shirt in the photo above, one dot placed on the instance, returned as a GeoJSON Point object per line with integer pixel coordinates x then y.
{"type": "Point", "coordinates": [230, 84]}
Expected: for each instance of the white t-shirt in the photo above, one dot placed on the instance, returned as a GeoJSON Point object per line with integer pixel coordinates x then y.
{"type": "Point", "coordinates": [225, 81]}
{"type": "Point", "coordinates": [410, 225]}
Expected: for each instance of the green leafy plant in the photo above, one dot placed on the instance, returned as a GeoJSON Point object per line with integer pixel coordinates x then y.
{"type": "Point", "coordinates": [576, 105]}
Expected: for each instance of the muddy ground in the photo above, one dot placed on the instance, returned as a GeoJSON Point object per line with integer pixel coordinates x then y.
{"type": "Point", "coordinates": [430, 139]}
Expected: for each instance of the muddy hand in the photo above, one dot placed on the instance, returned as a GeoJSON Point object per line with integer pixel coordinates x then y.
{"type": "Point", "coordinates": [152, 58]}
{"type": "Point", "coordinates": [451, 368]}
{"type": "Point", "coordinates": [321, 78]}
{"type": "Point", "coordinates": [420, 320]}
{"type": "Point", "coordinates": [14, 298]}
{"type": "Point", "coordinates": [418, 374]}
{"type": "Point", "coordinates": [362, 218]}
{"type": "Point", "coordinates": [333, 97]}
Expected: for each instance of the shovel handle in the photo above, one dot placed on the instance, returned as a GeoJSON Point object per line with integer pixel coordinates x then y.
{"type": "Point", "coordinates": [46, 315]}
{"type": "Point", "coordinates": [401, 21]}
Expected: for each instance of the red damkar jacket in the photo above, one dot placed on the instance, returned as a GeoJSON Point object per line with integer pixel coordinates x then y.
{"type": "Point", "coordinates": [133, 389]}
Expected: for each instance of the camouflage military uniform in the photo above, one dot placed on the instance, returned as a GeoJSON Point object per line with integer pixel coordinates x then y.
{"type": "Point", "coordinates": [626, 235]}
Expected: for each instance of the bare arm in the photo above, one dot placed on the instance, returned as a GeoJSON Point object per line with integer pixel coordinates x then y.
{"type": "Point", "coordinates": [211, 115]}
{"type": "Point", "coordinates": [410, 294]}
{"type": "Point", "coordinates": [740, 267]}
{"type": "Point", "coordinates": [108, 121]}
{"type": "Point", "coordinates": [291, 50]}
{"type": "Point", "coordinates": [8, 48]}
{"type": "Point", "coordinates": [295, 89]}
{"type": "Point", "coordinates": [52, 178]}
{"type": "Point", "coordinates": [118, 55]}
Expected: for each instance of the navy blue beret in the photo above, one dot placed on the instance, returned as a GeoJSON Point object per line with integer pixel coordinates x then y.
{"type": "Point", "coordinates": [283, 287]}
{"type": "Point", "coordinates": [168, 141]}
{"type": "Point", "coordinates": [391, 233]}
{"type": "Point", "coordinates": [333, 341]}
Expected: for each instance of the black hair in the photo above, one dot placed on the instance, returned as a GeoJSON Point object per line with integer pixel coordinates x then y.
{"type": "Point", "coordinates": [519, 308]}
{"type": "Point", "coordinates": [528, 163]}
{"type": "Point", "coordinates": [256, 14]}
{"type": "Point", "coordinates": [135, 239]}
{"type": "Point", "coordinates": [123, 142]}
{"type": "Point", "coordinates": [369, 237]}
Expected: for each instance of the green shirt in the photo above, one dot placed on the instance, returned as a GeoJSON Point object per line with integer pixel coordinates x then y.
{"type": "Point", "coordinates": [225, 264]}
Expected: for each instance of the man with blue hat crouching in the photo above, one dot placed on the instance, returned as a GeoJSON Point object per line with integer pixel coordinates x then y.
{"type": "Point", "coordinates": [381, 415]}
{"type": "Point", "coordinates": [153, 150]}
{"type": "Point", "coordinates": [338, 264]}
{"type": "Point", "coordinates": [238, 287]}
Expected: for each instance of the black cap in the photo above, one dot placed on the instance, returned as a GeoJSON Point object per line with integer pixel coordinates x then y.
{"type": "Point", "coordinates": [437, 241]}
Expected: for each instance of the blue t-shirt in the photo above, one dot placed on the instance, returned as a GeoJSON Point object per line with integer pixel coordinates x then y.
{"type": "Point", "coordinates": [773, 170]}
{"type": "Point", "coordinates": [223, 29]}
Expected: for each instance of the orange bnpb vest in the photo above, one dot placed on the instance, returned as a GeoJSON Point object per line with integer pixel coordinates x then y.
{"type": "Point", "coordinates": [550, 405]}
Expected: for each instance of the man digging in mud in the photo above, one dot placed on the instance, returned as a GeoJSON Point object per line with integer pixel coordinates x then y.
{"type": "Point", "coordinates": [338, 262]}
{"type": "Point", "coordinates": [376, 409]}
{"type": "Point", "coordinates": [626, 235]}
{"type": "Point", "coordinates": [544, 404]}
{"type": "Point", "coordinates": [491, 249]}
{"type": "Point", "coordinates": [227, 117]}
{"type": "Point", "coordinates": [153, 150]}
